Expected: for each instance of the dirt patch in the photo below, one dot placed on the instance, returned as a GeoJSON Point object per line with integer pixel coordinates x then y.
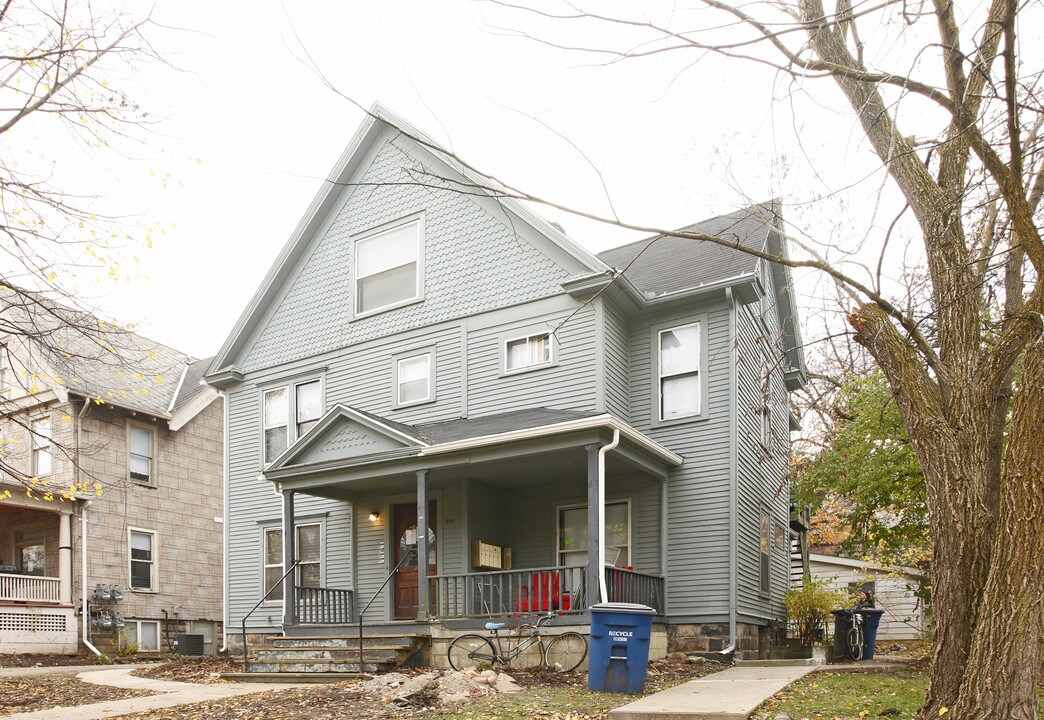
{"type": "Point", "coordinates": [45, 692]}
{"type": "Point", "coordinates": [206, 670]}
{"type": "Point", "coordinates": [47, 660]}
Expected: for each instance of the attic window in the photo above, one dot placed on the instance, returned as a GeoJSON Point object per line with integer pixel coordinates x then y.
{"type": "Point", "coordinates": [387, 268]}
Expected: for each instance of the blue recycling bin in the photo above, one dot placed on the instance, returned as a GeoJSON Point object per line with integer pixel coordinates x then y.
{"type": "Point", "coordinates": [619, 657]}
{"type": "Point", "coordinates": [871, 621]}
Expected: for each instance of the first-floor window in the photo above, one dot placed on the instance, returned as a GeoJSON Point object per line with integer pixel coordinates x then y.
{"type": "Point", "coordinates": [764, 550]}
{"type": "Point", "coordinates": [572, 535]}
{"type": "Point", "coordinates": [144, 633]}
{"type": "Point", "coordinates": [309, 551]}
{"type": "Point", "coordinates": [142, 560]}
{"type": "Point", "coordinates": [30, 551]}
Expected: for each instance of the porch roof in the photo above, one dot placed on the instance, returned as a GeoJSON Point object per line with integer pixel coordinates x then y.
{"type": "Point", "coordinates": [349, 445]}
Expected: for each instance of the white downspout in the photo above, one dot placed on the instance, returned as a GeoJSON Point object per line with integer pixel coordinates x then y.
{"type": "Point", "coordinates": [83, 579]}
{"type": "Point", "coordinates": [601, 511]}
{"type": "Point", "coordinates": [733, 474]}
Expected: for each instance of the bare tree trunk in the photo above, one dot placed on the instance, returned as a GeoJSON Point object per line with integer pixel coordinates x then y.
{"type": "Point", "coordinates": [1000, 678]}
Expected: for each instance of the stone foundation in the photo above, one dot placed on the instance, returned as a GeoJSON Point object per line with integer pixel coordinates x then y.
{"type": "Point", "coordinates": [752, 641]}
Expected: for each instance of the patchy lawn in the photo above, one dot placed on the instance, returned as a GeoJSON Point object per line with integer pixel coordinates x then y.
{"type": "Point", "coordinates": [45, 692]}
{"type": "Point", "coordinates": [851, 696]}
{"type": "Point", "coordinates": [545, 696]}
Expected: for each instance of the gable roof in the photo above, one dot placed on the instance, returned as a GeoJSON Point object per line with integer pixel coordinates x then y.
{"type": "Point", "coordinates": [378, 120]}
{"type": "Point", "coordinates": [665, 264]}
{"type": "Point", "coordinates": [73, 352]}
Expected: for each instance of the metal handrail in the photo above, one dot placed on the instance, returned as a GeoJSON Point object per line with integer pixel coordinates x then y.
{"type": "Point", "coordinates": [246, 661]}
{"type": "Point", "coordinates": [410, 552]}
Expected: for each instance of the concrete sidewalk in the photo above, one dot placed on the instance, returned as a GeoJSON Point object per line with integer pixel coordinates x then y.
{"type": "Point", "coordinates": [725, 695]}
{"type": "Point", "coordinates": [171, 695]}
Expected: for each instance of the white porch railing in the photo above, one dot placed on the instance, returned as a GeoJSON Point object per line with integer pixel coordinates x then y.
{"type": "Point", "coordinates": [29, 589]}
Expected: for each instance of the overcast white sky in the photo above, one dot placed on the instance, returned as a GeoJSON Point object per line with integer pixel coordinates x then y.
{"type": "Point", "coordinates": [249, 131]}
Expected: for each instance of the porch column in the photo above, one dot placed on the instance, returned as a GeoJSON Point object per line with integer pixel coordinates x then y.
{"type": "Point", "coordinates": [594, 593]}
{"type": "Point", "coordinates": [65, 559]}
{"type": "Point", "coordinates": [423, 591]}
{"type": "Point", "coordinates": [289, 596]}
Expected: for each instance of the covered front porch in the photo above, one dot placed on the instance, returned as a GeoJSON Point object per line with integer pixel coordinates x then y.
{"type": "Point", "coordinates": [36, 611]}
{"type": "Point", "coordinates": [516, 514]}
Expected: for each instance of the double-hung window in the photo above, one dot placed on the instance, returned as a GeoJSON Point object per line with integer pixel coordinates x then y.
{"type": "Point", "coordinates": [528, 352]}
{"type": "Point", "coordinates": [388, 268]}
{"type": "Point", "coordinates": [763, 551]}
{"type": "Point", "coordinates": [572, 535]}
{"type": "Point", "coordinates": [765, 410]}
{"type": "Point", "coordinates": [309, 551]}
{"type": "Point", "coordinates": [142, 453]}
{"type": "Point", "coordinates": [42, 460]}
{"type": "Point", "coordinates": [303, 401]}
{"type": "Point", "coordinates": [414, 379]}
{"type": "Point", "coordinates": [679, 372]}
{"type": "Point", "coordinates": [142, 559]}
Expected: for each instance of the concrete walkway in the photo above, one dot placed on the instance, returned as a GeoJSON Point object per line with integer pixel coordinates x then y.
{"type": "Point", "coordinates": [171, 694]}
{"type": "Point", "coordinates": [725, 695]}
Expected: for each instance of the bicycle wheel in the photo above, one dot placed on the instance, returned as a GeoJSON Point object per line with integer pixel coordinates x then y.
{"type": "Point", "coordinates": [855, 643]}
{"type": "Point", "coordinates": [470, 651]}
{"type": "Point", "coordinates": [565, 652]}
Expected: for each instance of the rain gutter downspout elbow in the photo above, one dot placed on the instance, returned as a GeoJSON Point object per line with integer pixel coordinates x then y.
{"type": "Point", "coordinates": [602, 587]}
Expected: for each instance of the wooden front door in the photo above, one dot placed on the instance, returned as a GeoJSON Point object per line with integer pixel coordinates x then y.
{"type": "Point", "coordinates": [405, 540]}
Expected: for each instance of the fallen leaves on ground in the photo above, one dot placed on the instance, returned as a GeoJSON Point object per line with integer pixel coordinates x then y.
{"type": "Point", "coordinates": [545, 696]}
{"type": "Point", "coordinates": [22, 660]}
{"type": "Point", "coordinates": [44, 692]}
{"type": "Point", "coordinates": [191, 669]}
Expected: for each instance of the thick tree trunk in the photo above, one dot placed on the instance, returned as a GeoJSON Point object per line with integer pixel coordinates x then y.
{"type": "Point", "coordinates": [1000, 678]}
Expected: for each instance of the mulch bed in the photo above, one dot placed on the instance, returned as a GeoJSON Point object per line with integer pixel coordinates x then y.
{"type": "Point", "coordinates": [45, 692]}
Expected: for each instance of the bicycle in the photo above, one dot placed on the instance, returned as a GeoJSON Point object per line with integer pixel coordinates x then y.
{"type": "Point", "coordinates": [562, 653]}
{"type": "Point", "coordinates": [855, 637]}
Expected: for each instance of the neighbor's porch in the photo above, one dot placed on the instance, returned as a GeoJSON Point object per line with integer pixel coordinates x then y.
{"type": "Point", "coordinates": [552, 523]}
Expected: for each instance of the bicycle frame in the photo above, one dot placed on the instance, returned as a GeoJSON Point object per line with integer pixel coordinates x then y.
{"type": "Point", "coordinates": [534, 637]}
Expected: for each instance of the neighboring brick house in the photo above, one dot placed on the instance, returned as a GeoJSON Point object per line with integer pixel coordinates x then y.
{"type": "Point", "coordinates": [430, 370]}
{"type": "Point", "coordinates": [113, 434]}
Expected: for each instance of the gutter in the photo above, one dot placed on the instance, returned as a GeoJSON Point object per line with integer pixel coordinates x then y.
{"type": "Point", "coordinates": [601, 511]}
{"type": "Point", "coordinates": [83, 580]}
{"type": "Point", "coordinates": [733, 470]}
{"type": "Point", "coordinates": [224, 524]}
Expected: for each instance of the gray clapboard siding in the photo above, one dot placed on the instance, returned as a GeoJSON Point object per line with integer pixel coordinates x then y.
{"type": "Point", "coordinates": [568, 384]}
{"type": "Point", "coordinates": [617, 363]}
{"type": "Point", "coordinates": [698, 490]}
{"type": "Point", "coordinates": [473, 261]}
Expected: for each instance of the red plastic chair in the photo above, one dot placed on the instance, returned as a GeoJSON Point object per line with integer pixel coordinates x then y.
{"type": "Point", "coordinates": [543, 594]}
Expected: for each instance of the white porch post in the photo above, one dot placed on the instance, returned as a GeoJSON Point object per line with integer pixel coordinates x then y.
{"type": "Point", "coordinates": [289, 596]}
{"type": "Point", "coordinates": [65, 559]}
{"type": "Point", "coordinates": [594, 542]}
{"type": "Point", "coordinates": [423, 591]}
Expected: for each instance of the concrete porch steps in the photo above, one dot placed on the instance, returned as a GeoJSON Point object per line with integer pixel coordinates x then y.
{"type": "Point", "coordinates": [289, 677]}
{"type": "Point", "coordinates": [338, 654]}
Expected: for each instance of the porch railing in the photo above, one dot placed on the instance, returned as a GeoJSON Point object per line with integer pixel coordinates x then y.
{"type": "Point", "coordinates": [323, 606]}
{"type": "Point", "coordinates": [629, 586]}
{"type": "Point", "coordinates": [511, 592]}
{"type": "Point", "coordinates": [29, 589]}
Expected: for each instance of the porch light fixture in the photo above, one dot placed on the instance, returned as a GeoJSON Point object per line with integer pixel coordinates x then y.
{"type": "Point", "coordinates": [375, 515]}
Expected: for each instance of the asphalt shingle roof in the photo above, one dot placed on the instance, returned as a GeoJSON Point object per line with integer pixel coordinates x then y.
{"type": "Point", "coordinates": [665, 264]}
{"type": "Point", "coordinates": [464, 429]}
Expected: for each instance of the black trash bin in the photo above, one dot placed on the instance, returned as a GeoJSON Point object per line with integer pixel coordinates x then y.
{"type": "Point", "coordinates": [842, 624]}
{"type": "Point", "coordinates": [619, 647]}
{"type": "Point", "coordinates": [871, 621]}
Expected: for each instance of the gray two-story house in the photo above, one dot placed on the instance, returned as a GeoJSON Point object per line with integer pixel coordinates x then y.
{"type": "Point", "coordinates": [462, 413]}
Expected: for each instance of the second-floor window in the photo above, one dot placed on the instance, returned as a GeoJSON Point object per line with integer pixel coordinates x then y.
{"type": "Point", "coordinates": [387, 268]}
{"type": "Point", "coordinates": [679, 372]}
{"type": "Point", "coordinates": [301, 401]}
{"type": "Point", "coordinates": [142, 441]}
{"type": "Point", "coordinates": [527, 352]}
{"type": "Point", "coordinates": [42, 447]}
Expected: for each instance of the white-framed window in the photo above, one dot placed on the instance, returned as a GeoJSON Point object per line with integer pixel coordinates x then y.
{"type": "Point", "coordinates": [144, 633]}
{"type": "Point", "coordinates": [763, 550]}
{"type": "Point", "coordinates": [572, 534]}
{"type": "Point", "coordinates": [309, 550]}
{"type": "Point", "coordinates": [531, 351]}
{"type": "Point", "coordinates": [414, 379]}
{"type": "Point", "coordinates": [142, 559]}
{"type": "Point", "coordinates": [765, 409]}
{"type": "Point", "coordinates": [141, 453]}
{"type": "Point", "coordinates": [42, 460]}
{"type": "Point", "coordinates": [678, 372]}
{"type": "Point", "coordinates": [302, 401]}
{"type": "Point", "coordinates": [30, 551]}
{"type": "Point", "coordinates": [5, 371]}
{"type": "Point", "coordinates": [388, 268]}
